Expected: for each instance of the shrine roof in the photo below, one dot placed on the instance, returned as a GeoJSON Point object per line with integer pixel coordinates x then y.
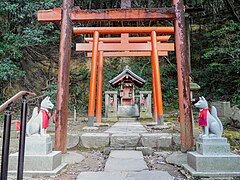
{"type": "Point", "coordinates": [127, 75]}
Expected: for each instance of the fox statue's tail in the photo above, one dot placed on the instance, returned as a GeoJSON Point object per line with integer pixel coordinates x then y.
{"type": "Point", "coordinates": [214, 114]}
{"type": "Point", "coordinates": [34, 114]}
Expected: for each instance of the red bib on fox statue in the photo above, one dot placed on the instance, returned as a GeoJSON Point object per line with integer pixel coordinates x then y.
{"type": "Point", "coordinates": [45, 118]}
{"type": "Point", "coordinates": [202, 119]}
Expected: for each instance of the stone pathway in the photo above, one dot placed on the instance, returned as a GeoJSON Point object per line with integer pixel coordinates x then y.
{"type": "Point", "coordinates": [125, 165]}
{"type": "Point", "coordinates": [126, 127]}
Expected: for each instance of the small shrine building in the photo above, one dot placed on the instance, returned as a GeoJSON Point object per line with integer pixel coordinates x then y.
{"type": "Point", "coordinates": [126, 105]}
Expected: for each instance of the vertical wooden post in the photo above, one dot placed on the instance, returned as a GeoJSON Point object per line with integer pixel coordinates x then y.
{"type": "Point", "coordinates": [99, 88]}
{"type": "Point", "coordinates": [93, 79]}
{"type": "Point", "coordinates": [154, 100]}
{"type": "Point", "coordinates": [183, 77]}
{"type": "Point", "coordinates": [156, 76]}
{"type": "Point", "coordinates": [63, 78]}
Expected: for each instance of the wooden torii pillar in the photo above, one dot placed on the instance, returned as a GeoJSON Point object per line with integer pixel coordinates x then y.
{"type": "Point", "coordinates": [124, 40]}
{"type": "Point", "coordinates": [68, 12]}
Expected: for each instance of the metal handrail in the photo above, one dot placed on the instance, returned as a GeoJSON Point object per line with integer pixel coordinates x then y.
{"type": "Point", "coordinates": [15, 98]}
{"type": "Point", "coordinates": [6, 133]}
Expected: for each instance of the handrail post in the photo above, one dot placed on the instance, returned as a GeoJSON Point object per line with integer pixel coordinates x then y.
{"type": "Point", "coordinates": [22, 138]}
{"type": "Point", "coordinates": [6, 142]}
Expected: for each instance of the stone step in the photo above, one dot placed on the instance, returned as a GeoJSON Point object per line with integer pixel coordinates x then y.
{"type": "Point", "coordinates": [127, 119]}
{"type": "Point", "coordinates": [126, 160]}
{"type": "Point", "coordinates": [142, 175]}
{"type": "Point", "coordinates": [129, 140]}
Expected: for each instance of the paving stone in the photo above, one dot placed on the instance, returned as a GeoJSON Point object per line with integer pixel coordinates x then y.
{"type": "Point", "coordinates": [72, 157]}
{"type": "Point", "coordinates": [126, 154]}
{"type": "Point", "coordinates": [90, 128]}
{"type": "Point", "coordinates": [149, 175]}
{"type": "Point", "coordinates": [124, 140]}
{"type": "Point", "coordinates": [165, 140]}
{"type": "Point", "coordinates": [177, 158]}
{"type": "Point", "coordinates": [151, 124]}
{"type": "Point", "coordinates": [143, 175]}
{"type": "Point", "coordinates": [156, 140]}
{"type": "Point", "coordinates": [94, 140]}
{"type": "Point", "coordinates": [101, 176]}
{"type": "Point", "coordinates": [125, 161]}
{"type": "Point", "coordinates": [177, 139]}
{"type": "Point", "coordinates": [127, 127]}
{"type": "Point", "coordinates": [72, 140]}
{"type": "Point", "coordinates": [161, 127]}
{"type": "Point", "coordinates": [101, 124]}
{"type": "Point", "coordinates": [125, 165]}
{"type": "Point", "coordinates": [145, 150]}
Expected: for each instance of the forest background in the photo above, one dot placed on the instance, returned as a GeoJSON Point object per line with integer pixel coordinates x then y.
{"type": "Point", "coordinates": [29, 51]}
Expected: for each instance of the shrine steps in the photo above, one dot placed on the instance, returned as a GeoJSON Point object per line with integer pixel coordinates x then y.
{"type": "Point", "coordinates": [132, 119]}
{"type": "Point", "coordinates": [129, 135]}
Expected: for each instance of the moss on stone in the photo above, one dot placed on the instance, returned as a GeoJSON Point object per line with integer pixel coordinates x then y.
{"type": "Point", "coordinates": [233, 138]}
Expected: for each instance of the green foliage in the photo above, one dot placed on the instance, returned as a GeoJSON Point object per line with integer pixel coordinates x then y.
{"type": "Point", "coordinates": [51, 91]}
{"type": "Point", "coordinates": [219, 72]}
{"type": "Point", "coordinates": [79, 89]}
{"type": "Point", "coordinates": [9, 71]}
{"type": "Point", "coordinates": [20, 32]}
{"type": "Point", "coordinates": [215, 58]}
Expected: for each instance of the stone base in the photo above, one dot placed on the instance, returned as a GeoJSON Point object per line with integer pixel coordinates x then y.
{"type": "Point", "coordinates": [32, 163]}
{"type": "Point", "coordinates": [128, 111]}
{"type": "Point", "coordinates": [213, 146]}
{"type": "Point", "coordinates": [38, 145]}
{"type": "Point", "coordinates": [112, 114]}
{"type": "Point", "coordinates": [213, 159]}
{"type": "Point", "coordinates": [145, 115]}
{"type": "Point", "coordinates": [221, 174]}
{"type": "Point", "coordinates": [214, 163]}
{"type": "Point", "coordinates": [40, 173]}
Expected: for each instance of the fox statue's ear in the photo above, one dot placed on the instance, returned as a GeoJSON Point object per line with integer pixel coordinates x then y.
{"type": "Point", "coordinates": [200, 98]}
{"type": "Point", "coordinates": [46, 98]}
{"type": "Point", "coordinates": [203, 98]}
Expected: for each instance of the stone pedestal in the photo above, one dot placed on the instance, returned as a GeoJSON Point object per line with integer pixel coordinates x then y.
{"type": "Point", "coordinates": [128, 111]}
{"type": "Point", "coordinates": [213, 159]}
{"type": "Point", "coordinates": [38, 145]}
{"type": "Point", "coordinates": [146, 108]}
{"type": "Point", "coordinates": [39, 159]}
{"type": "Point", "coordinates": [111, 109]}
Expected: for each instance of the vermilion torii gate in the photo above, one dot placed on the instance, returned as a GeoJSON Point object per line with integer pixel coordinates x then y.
{"type": "Point", "coordinates": [68, 13]}
{"type": "Point", "coordinates": [126, 46]}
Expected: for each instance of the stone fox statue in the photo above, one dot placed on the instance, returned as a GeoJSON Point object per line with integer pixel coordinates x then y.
{"type": "Point", "coordinates": [38, 123]}
{"type": "Point", "coordinates": [211, 124]}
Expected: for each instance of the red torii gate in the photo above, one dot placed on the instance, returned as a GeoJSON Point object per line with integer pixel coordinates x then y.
{"type": "Point", "coordinates": [68, 13]}
{"type": "Point", "coordinates": [124, 45]}
{"type": "Point", "coordinates": [118, 47]}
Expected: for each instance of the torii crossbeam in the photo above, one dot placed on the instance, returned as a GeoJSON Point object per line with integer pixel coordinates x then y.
{"type": "Point", "coordinates": [68, 13]}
